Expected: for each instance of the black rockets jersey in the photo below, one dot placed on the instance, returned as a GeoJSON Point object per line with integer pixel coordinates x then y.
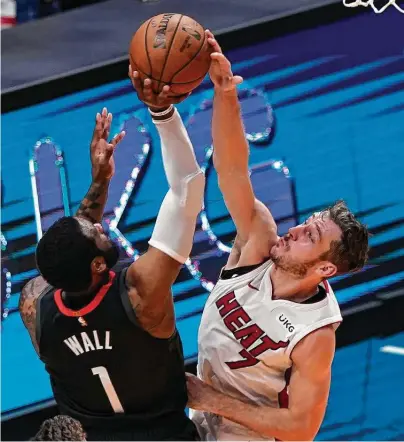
{"type": "Point", "coordinates": [109, 373]}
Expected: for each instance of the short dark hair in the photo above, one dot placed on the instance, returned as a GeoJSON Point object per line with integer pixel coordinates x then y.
{"type": "Point", "coordinates": [350, 253]}
{"type": "Point", "coordinates": [61, 427]}
{"type": "Point", "coordinates": [64, 255]}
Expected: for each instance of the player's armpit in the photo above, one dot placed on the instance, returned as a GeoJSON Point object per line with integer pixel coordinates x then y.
{"type": "Point", "coordinates": [149, 281]}
{"type": "Point", "coordinates": [261, 238]}
{"type": "Point", "coordinates": [27, 306]}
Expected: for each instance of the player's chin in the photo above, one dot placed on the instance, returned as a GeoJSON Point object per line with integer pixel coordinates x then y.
{"type": "Point", "coordinates": [274, 252]}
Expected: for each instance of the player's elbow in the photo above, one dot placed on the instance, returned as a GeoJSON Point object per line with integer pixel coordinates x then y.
{"type": "Point", "coordinates": [302, 428]}
{"type": "Point", "coordinates": [191, 194]}
{"type": "Point", "coordinates": [294, 426]}
{"type": "Point", "coordinates": [303, 434]}
{"type": "Point", "coordinates": [195, 193]}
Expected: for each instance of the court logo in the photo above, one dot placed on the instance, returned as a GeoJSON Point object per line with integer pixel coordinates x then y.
{"type": "Point", "coordinates": [377, 9]}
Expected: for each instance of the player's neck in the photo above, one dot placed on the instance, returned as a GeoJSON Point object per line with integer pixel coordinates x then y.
{"type": "Point", "coordinates": [287, 286]}
{"type": "Point", "coordinates": [92, 291]}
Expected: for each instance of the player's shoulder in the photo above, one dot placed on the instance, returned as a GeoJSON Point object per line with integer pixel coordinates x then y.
{"type": "Point", "coordinates": [317, 346]}
{"type": "Point", "coordinates": [262, 237]}
{"type": "Point", "coordinates": [32, 290]}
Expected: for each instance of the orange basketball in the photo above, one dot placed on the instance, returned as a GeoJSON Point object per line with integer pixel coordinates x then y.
{"type": "Point", "coordinates": [171, 49]}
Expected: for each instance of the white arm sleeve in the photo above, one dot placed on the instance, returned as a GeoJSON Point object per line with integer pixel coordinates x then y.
{"type": "Point", "coordinates": [175, 225]}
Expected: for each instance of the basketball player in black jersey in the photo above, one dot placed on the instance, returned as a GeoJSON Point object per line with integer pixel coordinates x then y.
{"type": "Point", "coordinates": [108, 339]}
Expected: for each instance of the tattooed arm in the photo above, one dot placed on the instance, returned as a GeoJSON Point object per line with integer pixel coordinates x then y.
{"type": "Point", "coordinates": [92, 205]}
{"type": "Point", "coordinates": [103, 168]}
{"type": "Point", "coordinates": [27, 306]}
{"type": "Point", "coordinates": [92, 208]}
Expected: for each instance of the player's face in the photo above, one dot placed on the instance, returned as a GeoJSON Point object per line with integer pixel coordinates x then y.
{"type": "Point", "coordinates": [300, 250]}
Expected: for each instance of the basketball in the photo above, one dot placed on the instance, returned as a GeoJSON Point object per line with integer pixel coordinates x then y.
{"type": "Point", "coordinates": [171, 49]}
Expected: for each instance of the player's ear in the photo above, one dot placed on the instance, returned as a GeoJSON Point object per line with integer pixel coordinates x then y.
{"type": "Point", "coordinates": [326, 269]}
{"type": "Point", "coordinates": [98, 265]}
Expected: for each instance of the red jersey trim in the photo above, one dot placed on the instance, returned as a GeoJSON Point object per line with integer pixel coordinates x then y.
{"type": "Point", "coordinates": [89, 307]}
{"type": "Point", "coordinates": [283, 396]}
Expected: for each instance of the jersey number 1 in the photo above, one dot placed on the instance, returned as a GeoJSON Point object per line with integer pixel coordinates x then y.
{"type": "Point", "coordinates": [109, 388]}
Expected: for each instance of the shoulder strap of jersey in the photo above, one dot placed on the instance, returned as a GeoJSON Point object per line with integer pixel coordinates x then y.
{"type": "Point", "coordinates": [238, 271]}
{"type": "Point", "coordinates": [123, 293]}
{"type": "Point", "coordinates": [38, 324]}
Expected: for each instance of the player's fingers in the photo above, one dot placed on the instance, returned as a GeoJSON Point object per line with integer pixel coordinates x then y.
{"type": "Point", "coordinates": [147, 91]}
{"type": "Point", "coordinates": [163, 95]}
{"type": "Point", "coordinates": [118, 138]}
{"type": "Point", "coordinates": [209, 33]}
{"type": "Point", "coordinates": [107, 126]}
{"type": "Point", "coordinates": [97, 134]}
{"type": "Point", "coordinates": [215, 45]}
{"type": "Point", "coordinates": [137, 84]}
{"type": "Point", "coordinates": [237, 80]}
{"type": "Point", "coordinates": [104, 115]}
{"type": "Point", "coordinates": [98, 123]}
{"type": "Point", "coordinates": [130, 75]}
{"type": "Point", "coordinates": [221, 59]}
{"type": "Point", "coordinates": [222, 65]}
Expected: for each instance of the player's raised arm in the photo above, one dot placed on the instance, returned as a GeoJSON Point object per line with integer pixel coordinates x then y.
{"type": "Point", "coordinates": [102, 168]}
{"type": "Point", "coordinates": [150, 278]}
{"type": "Point", "coordinates": [91, 208]}
{"type": "Point", "coordinates": [231, 154]}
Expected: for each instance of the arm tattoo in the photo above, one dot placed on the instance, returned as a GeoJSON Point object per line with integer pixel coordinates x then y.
{"type": "Point", "coordinates": [92, 206]}
{"type": "Point", "coordinates": [27, 306]}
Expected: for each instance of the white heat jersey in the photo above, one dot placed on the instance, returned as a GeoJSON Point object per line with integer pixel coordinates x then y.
{"type": "Point", "coordinates": [245, 342]}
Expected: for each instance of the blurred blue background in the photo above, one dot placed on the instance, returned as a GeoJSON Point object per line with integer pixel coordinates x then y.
{"type": "Point", "coordinates": [337, 94]}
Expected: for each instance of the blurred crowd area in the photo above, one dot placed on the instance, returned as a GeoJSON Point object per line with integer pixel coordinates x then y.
{"type": "Point", "coordinates": [14, 12]}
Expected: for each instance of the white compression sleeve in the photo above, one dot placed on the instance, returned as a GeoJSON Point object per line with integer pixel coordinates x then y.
{"type": "Point", "coordinates": [175, 225]}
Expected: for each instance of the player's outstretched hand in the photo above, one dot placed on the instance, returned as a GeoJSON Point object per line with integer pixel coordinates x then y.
{"type": "Point", "coordinates": [101, 151]}
{"type": "Point", "coordinates": [220, 68]}
{"type": "Point", "coordinates": [201, 396]}
{"type": "Point", "coordinates": [145, 93]}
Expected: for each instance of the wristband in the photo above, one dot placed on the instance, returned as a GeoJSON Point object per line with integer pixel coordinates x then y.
{"type": "Point", "coordinates": [162, 113]}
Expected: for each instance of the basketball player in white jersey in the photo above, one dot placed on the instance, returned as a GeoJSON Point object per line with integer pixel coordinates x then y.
{"type": "Point", "coordinates": [267, 335]}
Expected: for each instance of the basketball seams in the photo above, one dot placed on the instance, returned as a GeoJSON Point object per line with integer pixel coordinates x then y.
{"type": "Point", "coordinates": [190, 61]}
{"type": "Point", "coordinates": [180, 65]}
{"type": "Point", "coordinates": [168, 52]}
{"type": "Point", "coordinates": [155, 79]}
{"type": "Point", "coordinates": [147, 50]}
